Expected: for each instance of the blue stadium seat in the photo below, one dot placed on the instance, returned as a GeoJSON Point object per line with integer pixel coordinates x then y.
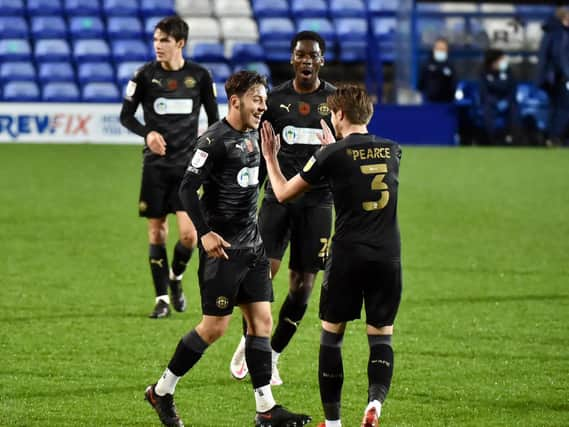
{"type": "Point", "coordinates": [129, 50]}
{"type": "Point", "coordinates": [100, 92]}
{"type": "Point", "coordinates": [52, 50]}
{"type": "Point", "coordinates": [60, 92]}
{"type": "Point", "coordinates": [157, 8]}
{"type": "Point", "coordinates": [21, 91]}
{"type": "Point", "coordinates": [82, 7]}
{"type": "Point", "coordinates": [208, 52]}
{"type": "Point", "coordinates": [17, 71]}
{"type": "Point", "coordinates": [48, 27]}
{"type": "Point", "coordinates": [15, 50]}
{"type": "Point", "coordinates": [387, 7]}
{"type": "Point", "coordinates": [221, 94]}
{"type": "Point", "coordinates": [271, 29]}
{"type": "Point", "coordinates": [149, 24]}
{"type": "Point", "coordinates": [347, 9]}
{"type": "Point", "coordinates": [220, 71]}
{"type": "Point", "coordinates": [322, 26]}
{"type": "Point", "coordinates": [351, 29]}
{"type": "Point", "coordinates": [44, 7]}
{"type": "Point", "coordinates": [353, 51]}
{"type": "Point", "coordinates": [126, 70]}
{"type": "Point", "coordinates": [533, 103]}
{"type": "Point", "coordinates": [86, 27]}
{"type": "Point", "coordinates": [12, 8]}
{"type": "Point", "coordinates": [88, 72]}
{"type": "Point", "coordinates": [247, 52]}
{"type": "Point", "coordinates": [277, 50]}
{"type": "Point", "coordinates": [120, 7]}
{"type": "Point", "coordinates": [56, 72]}
{"type": "Point", "coordinates": [308, 8]}
{"type": "Point", "coordinates": [260, 67]}
{"type": "Point", "coordinates": [13, 27]}
{"type": "Point", "coordinates": [270, 8]}
{"type": "Point", "coordinates": [91, 50]}
{"type": "Point", "coordinates": [124, 27]}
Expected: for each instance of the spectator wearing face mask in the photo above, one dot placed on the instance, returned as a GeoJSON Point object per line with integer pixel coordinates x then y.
{"type": "Point", "coordinates": [437, 81]}
{"type": "Point", "coordinates": [500, 111]}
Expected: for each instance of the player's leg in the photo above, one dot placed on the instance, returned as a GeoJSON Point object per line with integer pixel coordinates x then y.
{"type": "Point", "coordinates": [382, 295]}
{"type": "Point", "coordinates": [310, 234]}
{"type": "Point", "coordinates": [340, 302]}
{"type": "Point", "coordinates": [158, 260]}
{"type": "Point", "coordinates": [188, 352]}
{"type": "Point", "coordinates": [182, 254]}
{"type": "Point", "coordinates": [274, 228]}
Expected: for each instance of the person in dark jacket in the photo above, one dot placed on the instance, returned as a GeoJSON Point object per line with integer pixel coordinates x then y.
{"type": "Point", "coordinates": [500, 112]}
{"type": "Point", "coordinates": [553, 73]}
{"type": "Point", "coordinates": [437, 81]}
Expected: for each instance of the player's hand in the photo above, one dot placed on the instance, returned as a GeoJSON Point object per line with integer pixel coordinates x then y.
{"type": "Point", "coordinates": [327, 137]}
{"type": "Point", "coordinates": [156, 143]}
{"type": "Point", "coordinates": [270, 142]}
{"type": "Point", "coordinates": [214, 245]}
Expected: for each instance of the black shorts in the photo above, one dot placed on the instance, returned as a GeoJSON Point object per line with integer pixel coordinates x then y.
{"type": "Point", "coordinates": [159, 190]}
{"type": "Point", "coordinates": [353, 277]}
{"type": "Point", "coordinates": [306, 227]}
{"type": "Point", "coordinates": [243, 278]}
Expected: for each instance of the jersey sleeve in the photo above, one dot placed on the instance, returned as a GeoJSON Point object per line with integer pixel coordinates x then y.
{"type": "Point", "coordinates": [206, 155]}
{"type": "Point", "coordinates": [133, 97]}
{"type": "Point", "coordinates": [209, 102]}
{"type": "Point", "coordinates": [314, 170]}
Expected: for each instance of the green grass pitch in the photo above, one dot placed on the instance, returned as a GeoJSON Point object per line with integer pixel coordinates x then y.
{"type": "Point", "coordinates": [481, 337]}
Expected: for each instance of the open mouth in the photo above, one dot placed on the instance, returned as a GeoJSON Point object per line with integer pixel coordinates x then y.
{"type": "Point", "coordinates": [306, 73]}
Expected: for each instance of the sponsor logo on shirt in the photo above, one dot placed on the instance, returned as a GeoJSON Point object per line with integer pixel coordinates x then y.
{"type": "Point", "coordinates": [296, 135]}
{"type": "Point", "coordinates": [173, 106]}
{"type": "Point", "coordinates": [285, 107]}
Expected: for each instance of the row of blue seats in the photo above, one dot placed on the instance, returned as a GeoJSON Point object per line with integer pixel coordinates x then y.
{"type": "Point", "coordinates": [102, 71]}
{"type": "Point", "coordinates": [322, 8]}
{"type": "Point", "coordinates": [86, 7]}
{"type": "Point", "coordinates": [77, 27]}
{"type": "Point", "coordinates": [22, 91]}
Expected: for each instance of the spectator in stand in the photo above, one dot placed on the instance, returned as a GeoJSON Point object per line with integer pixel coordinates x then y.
{"type": "Point", "coordinates": [437, 81]}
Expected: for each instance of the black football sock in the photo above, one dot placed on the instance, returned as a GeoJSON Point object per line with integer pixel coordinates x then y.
{"type": "Point", "coordinates": [158, 259]}
{"type": "Point", "coordinates": [289, 318]}
{"type": "Point", "coordinates": [380, 366]}
{"type": "Point", "coordinates": [258, 357]}
{"type": "Point", "coordinates": [331, 373]}
{"type": "Point", "coordinates": [182, 256]}
{"type": "Point", "coordinates": [189, 350]}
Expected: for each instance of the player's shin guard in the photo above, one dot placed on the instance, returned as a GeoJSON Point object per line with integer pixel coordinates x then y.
{"type": "Point", "coordinates": [289, 318]}
{"type": "Point", "coordinates": [258, 357]}
{"type": "Point", "coordinates": [158, 259]}
{"type": "Point", "coordinates": [190, 349]}
{"type": "Point", "coordinates": [331, 373]}
{"type": "Point", "coordinates": [182, 256]}
{"type": "Point", "coordinates": [380, 367]}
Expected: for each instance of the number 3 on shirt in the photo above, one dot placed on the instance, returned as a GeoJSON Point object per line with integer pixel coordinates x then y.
{"type": "Point", "coordinates": [377, 184]}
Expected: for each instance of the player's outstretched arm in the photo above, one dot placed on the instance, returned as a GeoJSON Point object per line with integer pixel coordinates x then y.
{"type": "Point", "coordinates": [283, 189]}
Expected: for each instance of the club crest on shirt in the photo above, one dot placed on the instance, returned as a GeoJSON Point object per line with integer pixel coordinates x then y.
{"type": "Point", "coordinates": [304, 108]}
{"type": "Point", "coordinates": [189, 82]}
{"type": "Point", "coordinates": [199, 158]}
{"type": "Point", "coordinates": [323, 109]}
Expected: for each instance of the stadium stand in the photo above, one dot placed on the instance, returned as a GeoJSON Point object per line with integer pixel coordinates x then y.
{"type": "Point", "coordinates": [17, 71]}
{"type": "Point", "coordinates": [124, 27]}
{"type": "Point", "coordinates": [15, 50]}
{"type": "Point", "coordinates": [56, 72]}
{"type": "Point", "coordinates": [44, 7]}
{"type": "Point", "coordinates": [21, 91]}
{"type": "Point", "coordinates": [82, 7]}
{"type": "Point", "coordinates": [14, 27]}
{"type": "Point", "coordinates": [86, 27]}
{"type": "Point", "coordinates": [12, 8]}
{"type": "Point", "coordinates": [48, 27]}
{"type": "Point", "coordinates": [100, 92]}
{"type": "Point", "coordinates": [52, 50]}
{"type": "Point", "coordinates": [60, 92]}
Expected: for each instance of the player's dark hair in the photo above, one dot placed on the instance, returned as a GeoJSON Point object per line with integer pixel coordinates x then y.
{"type": "Point", "coordinates": [174, 26]}
{"type": "Point", "coordinates": [240, 82]}
{"type": "Point", "coordinates": [308, 35]}
{"type": "Point", "coordinates": [354, 101]}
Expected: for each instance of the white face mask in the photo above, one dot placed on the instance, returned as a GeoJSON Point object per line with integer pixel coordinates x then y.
{"type": "Point", "coordinates": [503, 65]}
{"type": "Point", "coordinates": [440, 55]}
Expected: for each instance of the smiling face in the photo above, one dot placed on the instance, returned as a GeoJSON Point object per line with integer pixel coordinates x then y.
{"type": "Point", "coordinates": [251, 106]}
{"type": "Point", "coordinates": [307, 60]}
{"type": "Point", "coordinates": [167, 49]}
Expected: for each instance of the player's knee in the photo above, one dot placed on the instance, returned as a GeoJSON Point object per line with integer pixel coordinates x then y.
{"type": "Point", "coordinates": [189, 238]}
{"type": "Point", "coordinates": [261, 326]}
{"type": "Point", "coordinates": [157, 233]}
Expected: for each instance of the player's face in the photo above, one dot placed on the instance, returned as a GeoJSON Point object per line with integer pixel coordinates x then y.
{"type": "Point", "coordinates": [166, 47]}
{"type": "Point", "coordinates": [252, 106]}
{"type": "Point", "coordinates": [306, 60]}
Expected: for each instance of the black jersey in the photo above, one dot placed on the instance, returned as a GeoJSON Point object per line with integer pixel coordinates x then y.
{"type": "Point", "coordinates": [296, 117]}
{"type": "Point", "coordinates": [363, 172]}
{"type": "Point", "coordinates": [171, 102]}
{"type": "Point", "coordinates": [226, 163]}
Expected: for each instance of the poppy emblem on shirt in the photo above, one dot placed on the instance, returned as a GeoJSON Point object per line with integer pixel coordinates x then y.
{"type": "Point", "coordinates": [304, 108]}
{"type": "Point", "coordinates": [172, 84]}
